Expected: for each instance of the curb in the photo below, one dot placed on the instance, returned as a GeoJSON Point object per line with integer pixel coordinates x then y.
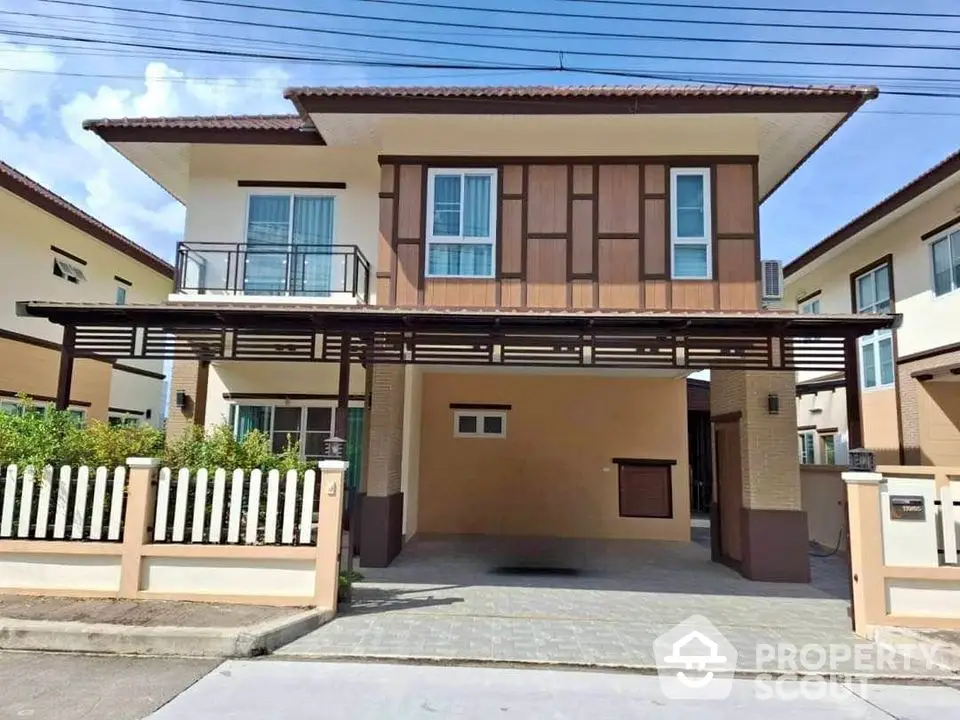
{"type": "Point", "coordinates": [944, 654]}
{"type": "Point", "coordinates": [103, 638]}
{"type": "Point", "coordinates": [946, 678]}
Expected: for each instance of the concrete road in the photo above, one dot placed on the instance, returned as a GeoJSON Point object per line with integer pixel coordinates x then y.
{"type": "Point", "coordinates": [46, 686]}
{"type": "Point", "coordinates": [253, 690]}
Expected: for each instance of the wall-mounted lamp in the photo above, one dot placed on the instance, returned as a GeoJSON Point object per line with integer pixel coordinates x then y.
{"type": "Point", "coordinates": [773, 404]}
{"type": "Point", "coordinates": [181, 399]}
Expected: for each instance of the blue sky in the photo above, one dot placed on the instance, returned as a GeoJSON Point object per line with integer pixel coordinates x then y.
{"type": "Point", "coordinates": [49, 84]}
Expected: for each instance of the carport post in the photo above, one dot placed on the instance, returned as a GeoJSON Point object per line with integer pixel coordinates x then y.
{"type": "Point", "coordinates": [851, 380]}
{"type": "Point", "coordinates": [65, 378]}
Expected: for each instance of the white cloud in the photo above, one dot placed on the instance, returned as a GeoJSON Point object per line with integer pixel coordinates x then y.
{"type": "Point", "coordinates": [41, 133]}
{"type": "Point", "coordinates": [23, 82]}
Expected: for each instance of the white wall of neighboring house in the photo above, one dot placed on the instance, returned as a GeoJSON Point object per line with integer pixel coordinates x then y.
{"type": "Point", "coordinates": [928, 321]}
{"type": "Point", "coordinates": [26, 273]}
{"type": "Point", "coordinates": [217, 207]}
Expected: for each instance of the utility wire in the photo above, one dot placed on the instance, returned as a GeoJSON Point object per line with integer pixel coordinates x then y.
{"type": "Point", "coordinates": [512, 48]}
{"type": "Point", "coordinates": [580, 33]}
{"type": "Point", "coordinates": [744, 8]}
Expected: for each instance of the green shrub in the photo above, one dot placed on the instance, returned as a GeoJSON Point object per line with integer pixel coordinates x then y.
{"type": "Point", "coordinates": [220, 449]}
{"type": "Point", "coordinates": [34, 436]}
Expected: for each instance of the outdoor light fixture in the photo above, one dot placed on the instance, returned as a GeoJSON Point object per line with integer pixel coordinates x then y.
{"type": "Point", "coordinates": [333, 448]}
{"type": "Point", "coordinates": [773, 404]}
{"type": "Point", "coordinates": [181, 399]}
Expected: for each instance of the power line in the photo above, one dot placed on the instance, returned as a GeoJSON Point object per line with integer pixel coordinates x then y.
{"type": "Point", "coordinates": [580, 33]}
{"type": "Point", "coordinates": [511, 48]}
{"type": "Point", "coordinates": [662, 20]}
{"type": "Point", "coordinates": [744, 8]}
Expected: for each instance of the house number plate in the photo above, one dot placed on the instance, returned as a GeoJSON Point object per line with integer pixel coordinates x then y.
{"type": "Point", "coordinates": [907, 507]}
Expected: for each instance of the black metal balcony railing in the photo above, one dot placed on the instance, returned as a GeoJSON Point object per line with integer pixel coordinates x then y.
{"type": "Point", "coordinates": [280, 270]}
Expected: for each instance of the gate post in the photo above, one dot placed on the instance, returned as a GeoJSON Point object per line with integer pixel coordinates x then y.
{"type": "Point", "coordinates": [329, 530]}
{"type": "Point", "coordinates": [866, 549]}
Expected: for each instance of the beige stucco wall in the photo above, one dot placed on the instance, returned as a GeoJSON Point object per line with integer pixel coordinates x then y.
{"type": "Point", "coordinates": [26, 273]}
{"type": "Point", "coordinates": [553, 474]}
{"type": "Point", "coordinates": [824, 495]}
{"type": "Point", "coordinates": [570, 135]}
{"type": "Point", "coordinates": [274, 378]}
{"type": "Point", "coordinates": [217, 208]}
{"type": "Point", "coordinates": [880, 434]}
{"type": "Point", "coordinates": [826, 409]}
{"type": "Point", "coordinates": [35, 370]}
{"type": "Point", "coordinates": [939, 411]}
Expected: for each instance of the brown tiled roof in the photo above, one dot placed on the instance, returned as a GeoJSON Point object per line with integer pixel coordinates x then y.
{"type": "Point", "coordinates": [217, 129]}
{"type": "Point", "coordinates": [33, 192]}
{"type": "Point", "coordinates": [588, 91]}
{"type": "Point", "coordinates": [203, 122]}
{"type": "Point", "coordinates": [916, 187]}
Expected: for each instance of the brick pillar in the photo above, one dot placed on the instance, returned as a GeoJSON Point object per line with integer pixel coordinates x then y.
{"type": "Point", "coordinates": [381, 526]}
{"type": "Point", "coordinates": [773, 525]}
{"type": "Point", "coordinates": [186, 376]}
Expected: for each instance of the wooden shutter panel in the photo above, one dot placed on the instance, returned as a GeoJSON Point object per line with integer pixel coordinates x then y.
{"type": "Point", "coordinates": [645, 491]}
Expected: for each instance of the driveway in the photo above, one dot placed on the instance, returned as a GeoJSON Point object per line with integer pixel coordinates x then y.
{"type": "Point", "coordinates": [589, 604]}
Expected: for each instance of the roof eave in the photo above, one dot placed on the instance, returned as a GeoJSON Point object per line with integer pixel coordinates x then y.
{"type": "Point", "coordinates": [863, 222]}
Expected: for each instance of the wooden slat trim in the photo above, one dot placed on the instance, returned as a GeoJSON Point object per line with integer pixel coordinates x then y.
{"type": "Point", "coordinates": [69, 256]}
{"type": "Point", "coordinates": [480, 406]}
{"type": "Point", "coordinates": [294, 184]}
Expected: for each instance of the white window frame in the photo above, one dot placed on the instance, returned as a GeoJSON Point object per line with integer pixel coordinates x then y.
{"type": "Point", "coordinates": [461, 240]}
{"type": "Point", "coordinates": [480, 415]}
{"type": "Point", "coordinates": [813, 445]}
{"type": "Point", "coordinates": [822, 447]}
{"type": "Point", "coordinates": [874, 339]}
{"type": "Point", "coordinates": [944, 237]}
{"type": "Point", "coordinates": [707, 238]}
{"type": "Point", "coordinates": [811, 306]}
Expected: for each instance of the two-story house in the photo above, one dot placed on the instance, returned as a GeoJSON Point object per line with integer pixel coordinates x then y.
{"type": "Point", "coordinates": [903, 256]}
{"type": "Point", "coordinates": [53, 250]}
{"type": "Point", "coordinates": [495, 295]}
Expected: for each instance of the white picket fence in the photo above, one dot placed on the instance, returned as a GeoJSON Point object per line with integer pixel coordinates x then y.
{"type": "Point", "coordinates": [79, 504]}
{"type": "Point", "coordinates": [253, 508]}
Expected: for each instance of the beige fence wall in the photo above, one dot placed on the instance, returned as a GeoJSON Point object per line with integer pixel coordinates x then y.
{"type": "Point", "coordinates": [284, 551]}
{"type": "Point", "coordinates": [904, 537]}
{"type": "Point", "coordinates": [823, 496]}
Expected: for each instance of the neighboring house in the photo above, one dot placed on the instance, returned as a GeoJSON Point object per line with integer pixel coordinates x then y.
{"type": "Point", "coordinates": [52, 250]}
{"type": "Point", "coordinates": [496, 295]}
{"type": "Point", "coordinates": [900, 256]}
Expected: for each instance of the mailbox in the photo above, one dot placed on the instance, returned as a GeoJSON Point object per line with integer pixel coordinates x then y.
{"type": "Point", "coordinates": [907, 507]}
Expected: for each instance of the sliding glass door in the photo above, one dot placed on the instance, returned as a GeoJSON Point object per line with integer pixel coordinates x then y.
{"type": "Point", "coordinates": [289, 244]}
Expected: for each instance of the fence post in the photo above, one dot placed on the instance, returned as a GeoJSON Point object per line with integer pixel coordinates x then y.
{"type": "Point", "coordinates": [329, 529]}
{"type": "Point", "coordinates": [866, 550]}
{"type": "Point", "coordinates": [137, 518]}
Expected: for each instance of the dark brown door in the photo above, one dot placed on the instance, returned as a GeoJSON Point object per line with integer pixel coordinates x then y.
{"type": "Point", "coordinates": [729, 489]}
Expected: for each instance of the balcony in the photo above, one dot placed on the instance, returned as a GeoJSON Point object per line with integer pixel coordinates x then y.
{"type": "Point", "coordinates": [336, 274]}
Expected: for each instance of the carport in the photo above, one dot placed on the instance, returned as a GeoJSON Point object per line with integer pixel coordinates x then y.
{"type": "Point", "coordinates": [758, 525]}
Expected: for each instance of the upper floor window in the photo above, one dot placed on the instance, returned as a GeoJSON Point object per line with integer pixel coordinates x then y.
{"type": "Point", "coordinates": [461, 222]}
{"type": "Point", "coordinates": [690, 231]}
{"type": "Point", "coordinates": [872, 290]}
{"type": "Point", "coordinates": [288, 240]}
{"type": "Point", "coordinates": [946, 262]}
{"type": "Point", "coordinates": [121, 295]}
{"type": "Point", "coordinates": [810, 307]}
{"type": "Point", "coordinates": [807, 449]}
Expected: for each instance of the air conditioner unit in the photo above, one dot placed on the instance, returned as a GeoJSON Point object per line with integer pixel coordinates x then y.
{"type": "Point", "coordinates": [771, 274]}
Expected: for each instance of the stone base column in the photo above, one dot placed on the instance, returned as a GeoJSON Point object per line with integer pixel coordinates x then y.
{"type": "Point", "coordinates": [381, 525]}
{"type": "Point", "coordinates": [773, 525]}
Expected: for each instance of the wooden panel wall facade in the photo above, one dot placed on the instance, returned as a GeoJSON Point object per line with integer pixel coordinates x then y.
{"type": "Point", "coordinates": [578, 233]}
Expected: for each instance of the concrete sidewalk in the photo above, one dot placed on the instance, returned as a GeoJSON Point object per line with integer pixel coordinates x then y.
{"type": "Point", "coordinates": [149, 627]}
